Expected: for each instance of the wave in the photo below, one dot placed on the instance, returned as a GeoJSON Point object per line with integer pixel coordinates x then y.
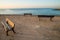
{"type": "Point", "coordinates": [6, 11]}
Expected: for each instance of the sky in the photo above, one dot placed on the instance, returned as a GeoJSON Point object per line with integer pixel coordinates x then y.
{"type": "Point", "coordinates": [29, 3]}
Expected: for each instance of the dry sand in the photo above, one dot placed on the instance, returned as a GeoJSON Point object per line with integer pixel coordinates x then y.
{"type": "Point", "coordinates": [30, 28]}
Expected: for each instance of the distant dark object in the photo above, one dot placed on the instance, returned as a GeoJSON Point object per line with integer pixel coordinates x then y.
{"type": "Point", "coordinates": [56, 9]}
{"type": "Point", "coordinates": [50, 16]}
{"type": "Point", "coordinates": [28, 14]}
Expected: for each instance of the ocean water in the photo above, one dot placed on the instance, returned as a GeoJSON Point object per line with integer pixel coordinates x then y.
{"type": "Point", "coordinates": [33, 11]}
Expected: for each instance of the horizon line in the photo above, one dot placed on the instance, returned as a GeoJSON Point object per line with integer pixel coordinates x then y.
{"type": "Point", "coordinates": [32, 7]}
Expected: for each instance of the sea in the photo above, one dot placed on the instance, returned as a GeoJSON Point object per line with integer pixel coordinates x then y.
{"type": "Point", "coordinates": [33, 11]}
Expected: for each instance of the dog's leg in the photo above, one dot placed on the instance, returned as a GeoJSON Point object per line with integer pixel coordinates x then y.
{"type": "Point", "coordinates": [39, 18]}
{"type": "Point", "coordinates": [51, 18]}
{"type": "Point", "coordinates": [13, 30]}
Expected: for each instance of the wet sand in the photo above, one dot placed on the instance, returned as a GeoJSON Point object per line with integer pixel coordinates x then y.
{"type": "Point", "coordinates": [30, 28]}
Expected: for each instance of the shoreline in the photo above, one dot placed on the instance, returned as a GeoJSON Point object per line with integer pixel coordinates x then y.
{"type": "Point", "coordinates": [30, 28]}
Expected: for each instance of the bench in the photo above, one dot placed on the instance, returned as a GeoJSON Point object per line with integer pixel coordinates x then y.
{"type": "Point", "coordinates": [50, 16]}
{"type": "Point", "coordinates": [28, 14]}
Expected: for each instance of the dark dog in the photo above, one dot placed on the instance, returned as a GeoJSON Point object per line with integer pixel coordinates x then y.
{"type": "Point", "coordinates": [50, 16]}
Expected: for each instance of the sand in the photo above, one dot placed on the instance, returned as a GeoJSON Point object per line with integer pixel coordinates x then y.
{"type": "Point", "coordinates": [30, 28]}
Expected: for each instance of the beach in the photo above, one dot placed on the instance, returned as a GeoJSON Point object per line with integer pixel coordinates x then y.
{"type": "Point", "coordinates": [30, 28]}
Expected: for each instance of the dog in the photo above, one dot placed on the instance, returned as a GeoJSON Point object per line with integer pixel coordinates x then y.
{"type": "Point", "coordinates": [8, 26]}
